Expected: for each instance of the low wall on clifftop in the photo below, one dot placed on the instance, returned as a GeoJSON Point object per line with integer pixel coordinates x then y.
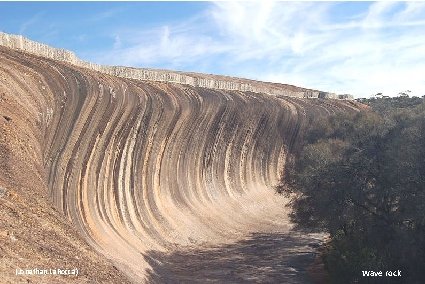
{"type": "Point", "coordinates": [21, 43]}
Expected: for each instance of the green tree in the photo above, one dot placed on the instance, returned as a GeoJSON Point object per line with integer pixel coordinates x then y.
{"type": "Point", "coordinates": [361, 178]}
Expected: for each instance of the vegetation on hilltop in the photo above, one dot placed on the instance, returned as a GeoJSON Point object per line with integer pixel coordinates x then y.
{"type": "Point", "coordinates": [361, 178]}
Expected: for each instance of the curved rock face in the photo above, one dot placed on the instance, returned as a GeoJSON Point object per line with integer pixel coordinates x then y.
{"type": "Point", "coordinates": [141, 166]}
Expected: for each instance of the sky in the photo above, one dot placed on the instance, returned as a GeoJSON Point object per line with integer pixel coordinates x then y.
{"type": "Point", "coordinates": [360, 48]}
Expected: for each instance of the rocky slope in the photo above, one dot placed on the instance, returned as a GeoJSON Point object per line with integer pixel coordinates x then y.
{"type": "Point", "coordinates": [95, 166]}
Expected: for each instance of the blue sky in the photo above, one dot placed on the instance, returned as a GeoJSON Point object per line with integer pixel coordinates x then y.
{"type": "Point", "coordinates": [347, 47]}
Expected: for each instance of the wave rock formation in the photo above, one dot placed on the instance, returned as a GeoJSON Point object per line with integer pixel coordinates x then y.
{"type": "Point", "coordinates": [138, 166]}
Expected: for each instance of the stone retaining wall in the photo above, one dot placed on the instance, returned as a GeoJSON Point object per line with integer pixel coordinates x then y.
{"type": "Point", "coordinates": [21, 43]}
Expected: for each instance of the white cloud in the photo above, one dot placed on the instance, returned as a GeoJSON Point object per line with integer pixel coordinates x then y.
{"type": "Point", "coordinates": [117, 42]}
{"type": "Point", "coordinates": [30, 22]}
{"type": "Point", "coordinates": [166, 45]}
{"type": "Point", "coordinates": [379, 49]}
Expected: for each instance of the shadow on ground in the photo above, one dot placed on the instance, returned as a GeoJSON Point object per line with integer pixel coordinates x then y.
{"type": "Point", "coordinates": [262, 258]}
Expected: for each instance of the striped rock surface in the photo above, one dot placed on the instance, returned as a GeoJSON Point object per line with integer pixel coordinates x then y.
{"type": "Point", "coordinates": [136, 166]}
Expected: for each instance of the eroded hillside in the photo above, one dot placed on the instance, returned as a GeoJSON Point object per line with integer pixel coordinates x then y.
{"type": "Point", "coordinates": [96, 166]}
